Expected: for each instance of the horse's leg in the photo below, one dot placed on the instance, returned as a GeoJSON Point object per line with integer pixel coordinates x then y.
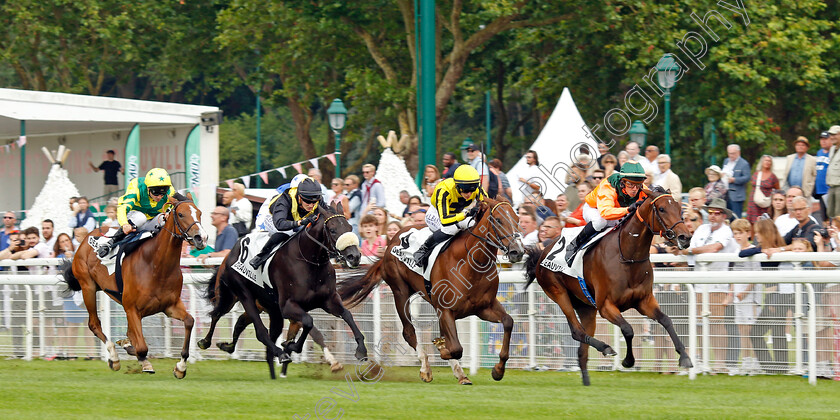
{"type": "Point", "coordinates": [560, 296]}
{"type": "Point", "coordinates": [318, 338]}
{"type": "Point", "coordinates": [587, 319]}
{"type": "Point", "coordinates": [611, 313]}
{"type": "Point", "coordinates": [291, 333]}
{"type": "Point", "coordinates": [650, 308]}
{"type": "Point", "coordinates": [179, 312]}
{"type": "Point", "coordinates": [275, 328]}
{"type": "Point", "coordinates": [204, 343]}
{"type": "Point", "coordinates": [496, 313]}
{"type": "Point", "coordinates": [334, 307]}
{"type": "Point", "coordinates": [291, 310]}
{"type": "Point", "coordinates": [401, 301]}
{"type": "Point", "coordinates": [253, 312]}
{"type": "Point", "coordinates": [135, 335]}
{"type": "Point", "coordinates": [89, 296]}
{"type": "Point", "coordinates": [241, 323]}
{"type": "Point", "coordinates": [452, 348]}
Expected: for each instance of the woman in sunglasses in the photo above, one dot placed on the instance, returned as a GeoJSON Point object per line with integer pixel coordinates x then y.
{"type": "Point", "coordinates": [144, 199]}
{"type": "Point", "coordinates": [287, 213]}
{"type": "Point", "coordinates": [446, 216]}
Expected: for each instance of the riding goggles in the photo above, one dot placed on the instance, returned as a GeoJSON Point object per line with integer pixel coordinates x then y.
{"type": "Point", "coordinates": [467, 188]}
{"type": "Point", "coordinates": [310, 200]}
{"type": "Point", "coordinates": [158, 190]}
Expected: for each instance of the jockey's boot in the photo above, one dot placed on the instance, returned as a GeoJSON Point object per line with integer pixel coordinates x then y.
{"type": "Point", "coordinates": [265, 252]}
{"type": "Point", "coordinates": [583, 237]}
{"type": "Point", "coordinates": [421, 257]}
{"type": "Point", "coordinates": [105, 248]}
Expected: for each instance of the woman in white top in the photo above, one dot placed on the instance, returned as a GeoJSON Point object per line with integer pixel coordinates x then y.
{"type": "Point", "coordinates": [337, 187]}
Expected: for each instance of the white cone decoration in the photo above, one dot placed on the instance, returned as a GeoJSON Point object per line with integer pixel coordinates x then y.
{"type": "Point", "coordinates": [392, 173]}
{"type": "Point", "coordinates": [53, 202]}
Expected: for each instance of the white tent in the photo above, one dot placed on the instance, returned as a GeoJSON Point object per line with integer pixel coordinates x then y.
{"type": "Point", "coordinates": [561, 138]}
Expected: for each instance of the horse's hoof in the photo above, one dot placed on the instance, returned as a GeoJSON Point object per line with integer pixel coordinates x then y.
{"type": "Point", "coordinates": [426, 377]}
{"type": "Point", "coordinates": [585, 377]}
{"type": "Point", "coordinates": [335, 367]}
{"type": "Point", "coordinates": [608, 351]}
{"type": "Point", "coordinates": [282, 376]}
{"type": "Point", "coordinates": [147, 367]}
{"type": "Point", "coordinates": [114, 365]}
{"type": "Point", "coordinates": [628, 363]}
{"type": "Point", "coordinates": [226, 347]}
{"type": "Point", "coordinates": [361, 354]}
{"type": "Point", "coordinates": [497, 374]}
{"type": "Point", "coordinates": [130, 350]}
{"type": "Point", "coordinates": [685, 362]}
{"type": "Point", "coordinates": [465, 381]}
{"type": "Point", "coordinates": [203, 344]}
{"type": "Point", "coordinates": [178, 374]}
{"type": "Point", "coordinates": [283, 357]}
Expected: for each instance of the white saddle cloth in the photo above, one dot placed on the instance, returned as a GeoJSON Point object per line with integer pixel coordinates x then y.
{"type": "Point", "coordinates": [410, 241]}
{"type": "Point", "coordinates": [250, 246]}
{"type": "Point", "coordinates": [556, 258]}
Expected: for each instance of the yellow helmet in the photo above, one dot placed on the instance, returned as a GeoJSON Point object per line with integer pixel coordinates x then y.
{"type": "Point", "coordinates": [157, 177]}
{"type": "Point", "coordinates": [466, 178]}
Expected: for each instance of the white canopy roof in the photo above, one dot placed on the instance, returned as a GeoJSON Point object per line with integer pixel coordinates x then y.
{"type": "Point", "coordinates": [62, 113]}
{"type": "Point", "coordinates": [562, 135]}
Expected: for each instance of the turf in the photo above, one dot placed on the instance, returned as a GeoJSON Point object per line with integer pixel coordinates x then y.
{"type": "Point", "coordinates": [233, 389]}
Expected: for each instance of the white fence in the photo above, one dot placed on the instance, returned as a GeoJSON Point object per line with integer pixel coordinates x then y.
{"type": "Point", "coordinates": [802, 327]}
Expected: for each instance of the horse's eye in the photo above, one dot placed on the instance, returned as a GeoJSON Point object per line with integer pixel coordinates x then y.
{"type": "Point", "coordinates": [662, 209]}
{"type": "Point", "coordinates": [180, 214]}
{"type": "Point", "coordinates": [332, 231]}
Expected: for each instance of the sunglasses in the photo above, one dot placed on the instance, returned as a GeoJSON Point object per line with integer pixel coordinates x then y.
{"type": "Point", "coordinates": [158, 190]}
{"type": "Point", "coordinates": [309, 200]}
{"type": "Point", "coordinates": [7, 217]}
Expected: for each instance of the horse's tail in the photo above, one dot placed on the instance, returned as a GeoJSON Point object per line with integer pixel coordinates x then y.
{"type": "Point", "coordinates": [209, 285]}
{"type": "Point", "coordinates": [66, 269]}
{"type": "Point", "coordinates": [531, 265]}
{"type": "Point", "coordinates": [356, 286]}
{"type": "Point", "coordinates": [218, 294]}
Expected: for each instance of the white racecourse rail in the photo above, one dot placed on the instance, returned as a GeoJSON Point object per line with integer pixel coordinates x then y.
{"type": "Point", "coordinates": [37, 322]}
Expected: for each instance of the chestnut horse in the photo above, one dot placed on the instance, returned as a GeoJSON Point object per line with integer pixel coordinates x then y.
{"type": "Point", "coordinates": [301, 277]}
{"type": "Point", "coordinates": [471, 260]}
{"type": "Point", "coordinates": [152, 281]}
{"type": "Point", "coordinates": [618, 283]}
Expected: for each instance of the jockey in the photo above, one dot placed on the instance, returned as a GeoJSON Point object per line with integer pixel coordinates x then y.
{"type": "Point", "coordinates": [287, 213]}
{"type": "Point", "coordinates": [144, 199]}
{"type": "Point", "coordinates": [446, 217]}
{"type": "Point", "coordinates": [611, 200]}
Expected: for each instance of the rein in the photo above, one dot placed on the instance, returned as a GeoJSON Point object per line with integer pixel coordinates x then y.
{"type": "Point", "coordinates": [667, 234]}
{"type": "Point", "coordinates": [331, 251]}
{"type": "Point", "coordinates": [182, 233]}
{"type": "Point", "coordinates": [500, 238]}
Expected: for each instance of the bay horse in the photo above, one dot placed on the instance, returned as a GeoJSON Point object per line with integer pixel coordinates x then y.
{"type": "Point", "coordinates": [152, 281]}
{"type": "Point", "coordinates": [470, 263]}
{"type": "Point", "coordinates": [302, 279]}
{"type": "Point", "coordinates": [244, 320]}
{"type": "Point", "coordinates": [618, 270]}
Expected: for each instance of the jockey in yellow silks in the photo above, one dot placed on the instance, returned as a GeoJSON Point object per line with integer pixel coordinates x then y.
{"type": "Point", "coordinates": [611, 200]}
{"type": "Point", "coordinates": [446, 216]}
{"type": "Point", "coordinates": [144, 199]}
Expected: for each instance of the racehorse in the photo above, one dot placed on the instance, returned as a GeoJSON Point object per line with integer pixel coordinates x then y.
{"type": "Point", "coordinates": [151, 281]}
{"type": "Point", "coordinates": [618, 283]}
{"type": "Point", "coordinates": [244, 320]}
{"type": "Point", "coordinates": [471, 260]}
{"type": "Point", "coordinates": [302, 278]}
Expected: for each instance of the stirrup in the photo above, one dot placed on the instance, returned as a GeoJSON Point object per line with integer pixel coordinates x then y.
{"type": "Point", "coordinates": [104, 249]}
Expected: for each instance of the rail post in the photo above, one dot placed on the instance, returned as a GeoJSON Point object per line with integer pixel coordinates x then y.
{"type": "Point", "coordinates": [194, 353]}
{"type": "Point", "coordinates": [474, 346]}
{"type": "Point", "coordinates": [692, 330]}
{"type": "Point", "coordinates": [104, 303]}
{"type": "Point", "coordinates": [532, 327]}
{"type": "Point", "coordinates": [42, 324]}
{"type": "Point", "coordinates": [706, 311]}
{"type": "Point", "coordinates": [27, 333]}
{"type": "Point", "coordinates": [812, 334]}
{"type": "Point", "coordinates": [798, 314]}
{"type": "Point", "coordinates": [377, 319]}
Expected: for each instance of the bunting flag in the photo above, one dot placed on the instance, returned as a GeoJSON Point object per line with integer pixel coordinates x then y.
{"type": "Point", "coordinates": [282, 172]}
{"type": "Point", "coordinates": [314, 162]}
{"type": "Point", "coordinates": [331, 158]}
{"type": "Point", "coordinates": [95, 205]}
{"type": "Point", "coordinates": [21, 141]}
{"type": "Point", "coordinates": [230, 183]}
{"type": "Point", "coordinates": [264, 177]}
{"type": "Point", "coordinates": [297, 167]}
{"type": "Point", "coordinates": [247, 181]}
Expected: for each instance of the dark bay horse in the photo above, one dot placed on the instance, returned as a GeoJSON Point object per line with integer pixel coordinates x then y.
{"type": "Point", "coordinates": [152, 281]}
{"type": "Point", "coordinates": [618, 270]}
{"type": "Point", "coordinates": [302, 279]}
{"type": "Point", "coordinates": [464, 282]}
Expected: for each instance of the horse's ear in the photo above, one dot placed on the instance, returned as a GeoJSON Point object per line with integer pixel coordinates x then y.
{"type": "Point", "coordinates": [339, 209]}
{"type": "Point", "coordinates": [189, 196]}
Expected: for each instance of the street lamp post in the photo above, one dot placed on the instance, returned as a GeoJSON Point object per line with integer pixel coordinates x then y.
{"type": "Point", "coordinates": [667, 70]}
{"type": "Point", "coordinates": [337, 114]}
{"type": "Point", "coordinates": [638, 133]}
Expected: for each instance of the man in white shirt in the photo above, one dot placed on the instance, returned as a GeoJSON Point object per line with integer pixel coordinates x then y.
{"type": "Point", "coordinates": [47, 227]}
{"type": "Point", "coordinates": [714, 237]}
{"type": "Point", "coordinates": [667, 179]}
{"type": "Point", "coordinates": [372, 189]}
{"type": "Point", "coordinates": [529, 176]}
{"type": "Point", "coordinates": [241, 209]}
{"type": "Point", "coordinates": [786, 222]}
{"type": "Point", "coordinates": [528, 224]}
{"type": "Point", "coordinates": [474, 159]}
{"type": "Point", "coordinates": [632, 149]}
{"type": "Point", "coordinates": [651, 157]}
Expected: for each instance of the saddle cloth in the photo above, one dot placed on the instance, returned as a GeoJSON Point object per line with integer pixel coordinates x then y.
{"type": "Point", "coordinates": [410, 241]}
{"type": "Point", "coordinates": [121, 248]}
{"type": "Point", "coordinates": [556, 259]}
{"type": "Point", "coordinates": [249, 246]}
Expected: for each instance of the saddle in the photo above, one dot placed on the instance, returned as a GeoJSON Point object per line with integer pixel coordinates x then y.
{"type": "Point", "coordinates": [131, 242]}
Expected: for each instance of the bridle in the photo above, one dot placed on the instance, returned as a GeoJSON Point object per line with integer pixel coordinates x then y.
{"type": "Point", "coordinates": [668, 234]}
{"type": "Point", "coordinates": [498, 244]}
{"type": "Point", "coordinates": [332, 251]}
{"type": "Point", "coordinates": [182, 233]}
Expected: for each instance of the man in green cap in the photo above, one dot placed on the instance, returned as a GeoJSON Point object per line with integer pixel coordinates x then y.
{"type": "Point", "coordinates": [611, 200]}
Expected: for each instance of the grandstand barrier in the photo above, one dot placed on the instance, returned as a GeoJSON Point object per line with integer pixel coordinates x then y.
{"type": "Point", "coordinates": [39, 326]}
